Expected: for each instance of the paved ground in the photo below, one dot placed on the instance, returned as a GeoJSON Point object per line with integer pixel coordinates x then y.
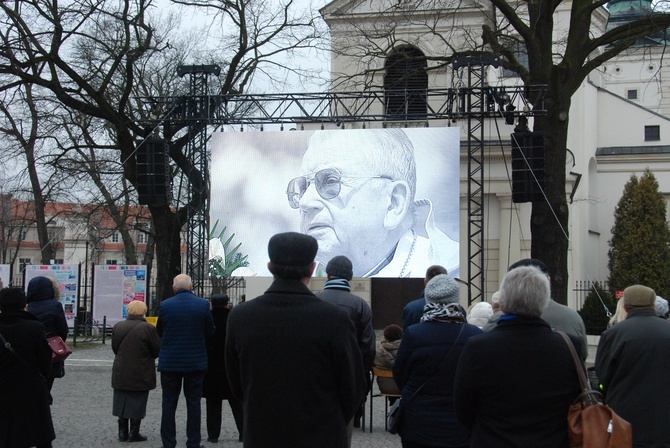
{"type": "Point", "coordinates": [82, 409]}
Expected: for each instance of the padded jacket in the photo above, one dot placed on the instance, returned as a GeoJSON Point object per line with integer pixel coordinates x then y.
{"type": "Point", "coordinates": [184, 324]}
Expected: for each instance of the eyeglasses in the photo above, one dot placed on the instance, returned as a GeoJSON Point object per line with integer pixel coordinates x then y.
{"type": "Point", "coordinates": [328, 183]}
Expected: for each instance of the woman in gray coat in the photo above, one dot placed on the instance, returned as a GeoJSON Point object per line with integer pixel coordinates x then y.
{"type": "Point", "coordinates": [136, 344]}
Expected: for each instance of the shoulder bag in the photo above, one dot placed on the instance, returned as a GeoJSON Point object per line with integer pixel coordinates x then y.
{"type": "Point", "coordinates": [395, 413]}
{"type": "Point", "coordinates": [591, 423]}
{"type": "Point", "coordinates": [59, 349]}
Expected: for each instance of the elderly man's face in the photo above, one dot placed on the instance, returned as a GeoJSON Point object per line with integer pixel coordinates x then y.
{"type": "Point", "coordinates": [352, 222]}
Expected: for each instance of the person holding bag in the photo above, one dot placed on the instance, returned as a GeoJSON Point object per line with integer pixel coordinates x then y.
{"type": "Point", "coordinates": [515, 384]}
{"type": "Point", "coordinates": [425, 367]}
{"type": "Point", "coordinates": [43, 298]}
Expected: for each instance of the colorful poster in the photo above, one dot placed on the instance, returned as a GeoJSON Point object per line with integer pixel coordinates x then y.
{"type": "Point", "coordinates": [67, 277]}
{"type": "Point", "coordinates": [114, 287]}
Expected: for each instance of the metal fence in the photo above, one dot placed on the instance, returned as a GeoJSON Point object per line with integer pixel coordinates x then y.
{"type": "Point", "coordinates": [584, 287]}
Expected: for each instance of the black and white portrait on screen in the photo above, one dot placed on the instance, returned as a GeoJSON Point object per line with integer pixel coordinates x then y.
{"type": "Point", "coordinates": [386, 198]}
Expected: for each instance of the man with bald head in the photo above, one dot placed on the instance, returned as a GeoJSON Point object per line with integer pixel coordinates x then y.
{"type": "Point", "coordinates": [356, 196]}
{"type": "Point", "coordinates": [184, 324]}
{"type": "Point", "coordinates": [632, 362]}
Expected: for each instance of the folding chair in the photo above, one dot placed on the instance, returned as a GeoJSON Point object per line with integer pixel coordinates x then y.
{"type": "Point", "coordinates": [381, 373]}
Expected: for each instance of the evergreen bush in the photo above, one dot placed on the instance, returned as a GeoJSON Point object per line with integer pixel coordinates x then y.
{"type": "Point", "coordinates": [595, 310]}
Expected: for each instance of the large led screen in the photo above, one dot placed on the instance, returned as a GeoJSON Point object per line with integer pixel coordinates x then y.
{"type": "Point", "coordinates": [386, 198]}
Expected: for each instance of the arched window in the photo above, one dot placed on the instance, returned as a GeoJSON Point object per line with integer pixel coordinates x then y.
{"type": "Point", "coordinates": [405, 83]}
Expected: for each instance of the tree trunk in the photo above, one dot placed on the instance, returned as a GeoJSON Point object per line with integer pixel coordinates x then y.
{"type": "Point", "coordinates": [167, 227]}
{"type": "Point", "coordinates": [549, 220]}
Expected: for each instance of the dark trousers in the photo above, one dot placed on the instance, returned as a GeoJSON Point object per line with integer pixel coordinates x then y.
{"type": "Point", "coordinates": [214, 415]}
{"type": "Point", "coordinates": [171, 383]}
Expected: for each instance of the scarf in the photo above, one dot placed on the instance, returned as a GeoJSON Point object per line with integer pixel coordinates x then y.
{"type": "Point", "coordinates": [337, 283]}
{"type": "Point", "coordinates": [443, 312]}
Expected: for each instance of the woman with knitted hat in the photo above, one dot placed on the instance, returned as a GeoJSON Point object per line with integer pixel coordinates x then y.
{"type": "Point", "coordinates": [425, 366]}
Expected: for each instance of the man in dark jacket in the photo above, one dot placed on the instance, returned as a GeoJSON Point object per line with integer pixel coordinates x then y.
{"type": "Point", "coordinates": [632, 362]}
{"type": "Point", "coordinates": [292, 358]}
{"type": "Point", "coordinates": [184, 324]}
{"type": "Point", "coordinates": [337, 292]}
{"type": "Point", "coordinates": [216, 387]}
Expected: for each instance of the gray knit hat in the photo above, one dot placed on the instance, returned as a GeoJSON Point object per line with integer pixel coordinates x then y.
{"type": "Point", "coordinates": [442, 289]}
{"type": "Point", "coordinates": [340, 267]}
{"type": "Point", "coordinates": [661, 306]}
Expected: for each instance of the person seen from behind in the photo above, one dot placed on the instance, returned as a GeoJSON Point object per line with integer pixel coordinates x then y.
{"type": "Point", "coordinates": [136, 345]}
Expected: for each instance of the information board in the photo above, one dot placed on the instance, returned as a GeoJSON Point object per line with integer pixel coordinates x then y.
{"type": "Point", "coordinates": [67, 277]}
{"type": "Point", "coordinates": [114, 287]}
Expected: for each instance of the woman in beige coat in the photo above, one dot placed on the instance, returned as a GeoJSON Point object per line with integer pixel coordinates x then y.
{"type": "Point", "coordinates": [136, 345]}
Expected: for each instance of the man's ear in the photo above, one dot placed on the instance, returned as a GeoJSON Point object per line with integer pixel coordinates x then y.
{"type": "Point", "coordinates": [398, 206]}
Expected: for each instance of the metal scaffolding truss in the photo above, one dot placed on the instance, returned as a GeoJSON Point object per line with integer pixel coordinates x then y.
{"type": "Point", "coordinates": [473, 104]}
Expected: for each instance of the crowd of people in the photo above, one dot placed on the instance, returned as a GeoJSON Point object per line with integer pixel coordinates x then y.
{"type": "Point", "coordinates": [295, 366]}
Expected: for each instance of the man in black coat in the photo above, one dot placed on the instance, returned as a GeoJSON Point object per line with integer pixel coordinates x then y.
{"type": "Point", "coordinates": [632, 363]}
{"type": "Point", "coordinates": [293, 359]}
{"type": "Point", "coordinates": [216, 387]}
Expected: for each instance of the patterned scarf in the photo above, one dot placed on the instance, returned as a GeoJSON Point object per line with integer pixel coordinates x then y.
{"type": "Point", "coordinates": [337, 283]}
{"type": "Point", "coordinates": [443, 312]}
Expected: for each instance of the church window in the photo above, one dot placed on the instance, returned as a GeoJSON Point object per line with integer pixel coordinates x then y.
{"type": "Point", "coordinates": [405, 84]}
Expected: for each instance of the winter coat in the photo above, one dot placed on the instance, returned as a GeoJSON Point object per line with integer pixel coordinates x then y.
{"type": "Point", "coordinates": [514, 386]}
{"type": "Point", "coordinates": [136, 345]}
{"type": "Point", "coordinates": [25, 414]}
{"type": "Point", "coordinates": [428, 416]}
{"type": "Point", "coordinates": [384, 359]}
{"type": "Point", "coordinates": [216, 382]}
{"type": "Point", "coordinates": [360, 314]}
{"type": "Point", "coordinates": [632, 363]}
{"type": "Point", "coordinates": [184, 324]}
{"type": "Point", "coordinates": [413, 311]}
{"type": "Point", "coordinates": [294, 361]}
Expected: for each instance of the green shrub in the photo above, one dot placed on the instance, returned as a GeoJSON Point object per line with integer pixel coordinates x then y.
{"type": "Point", "coordinates": [593, 312]}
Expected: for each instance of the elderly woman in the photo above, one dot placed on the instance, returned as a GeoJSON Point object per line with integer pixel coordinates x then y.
{"type": "Point", "coordinates": [425, 367]}
{"type": "Point", "coordinates": [25, 416]}
{"type": "Point", "coordinates": [136, 344]}
{"type": "Point", "coordinates": [514, 384]}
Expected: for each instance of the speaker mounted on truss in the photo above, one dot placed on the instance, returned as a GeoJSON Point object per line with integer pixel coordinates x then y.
{"type": "Point", "coordinates": [154, 184]}
{"type": "Point", "coordinates": [527, 167]}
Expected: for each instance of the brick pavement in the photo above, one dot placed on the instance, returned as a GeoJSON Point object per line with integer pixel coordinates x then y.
{"type": "Point", "coordinates": [82, 409]}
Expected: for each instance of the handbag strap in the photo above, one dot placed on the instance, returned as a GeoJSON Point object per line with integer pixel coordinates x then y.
{"type": "Point", "coordinates": [9, 347]}
{"type": "Point", "coordinates": [587, 394]}
{"type": "Point", "coordinates": [441, 364]}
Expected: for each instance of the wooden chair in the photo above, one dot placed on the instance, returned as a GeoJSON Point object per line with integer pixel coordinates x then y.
{"type": "Point", "coordinates": [381, 373]}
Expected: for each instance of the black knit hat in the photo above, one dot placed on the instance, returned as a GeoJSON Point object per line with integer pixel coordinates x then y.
{"type": "Point", "coordinates": [292, 249]}
{"type": "Point", "coordinates": [12, 299]}
{"type": "Point", "coordinates": [340, 267]}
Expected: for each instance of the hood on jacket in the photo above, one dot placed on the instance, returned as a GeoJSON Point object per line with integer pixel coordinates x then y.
{"type": "Point", "coordinates": [40, 288]}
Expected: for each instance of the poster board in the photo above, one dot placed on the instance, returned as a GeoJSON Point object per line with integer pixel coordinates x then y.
{"type": "Point", "coordinates": [67, 277]}
{"type": "Point", "coordinates": [5, 275]}
{"type": "Point", "coordinates": [114, 286]}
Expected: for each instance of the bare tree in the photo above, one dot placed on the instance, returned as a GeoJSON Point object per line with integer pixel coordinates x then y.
{"type": "Point", "coordinates": [95, 58]}
{"type": "Point", "coordinates": [559, 56]}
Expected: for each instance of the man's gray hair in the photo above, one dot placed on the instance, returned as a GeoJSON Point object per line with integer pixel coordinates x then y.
{"type": "Point", "coordinates": [182, 281]}
{"type": "Point", "coordinates": [525, 291]}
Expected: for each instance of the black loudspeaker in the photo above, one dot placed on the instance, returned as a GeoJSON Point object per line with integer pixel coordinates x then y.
{"type": "Point", "coordinates": [527, 167]}
{"type": "Point", "coordinates": [153, 172]}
